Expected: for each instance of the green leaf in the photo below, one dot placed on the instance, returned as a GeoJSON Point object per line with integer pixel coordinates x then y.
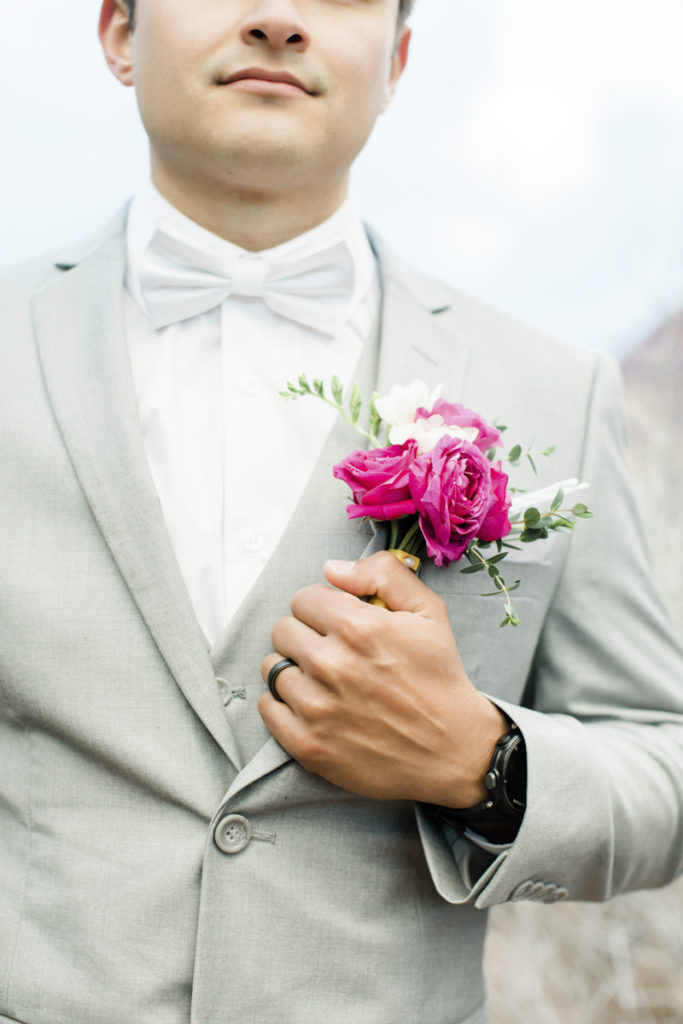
{"type": "Point", "coordinates": [355, 403]}
{"type": "Point", "coordinates": [491, 454]}
{"type": "Point", "coordinates": [473, 568]}
{"type": "Point", "coordinates": [560, 523]}
{"type": "Point", "coordinates": [532, 516]}
{"type": "Point", "coordinates": [501, 588]}
{"type": "Point", "coordinates": [375, 418]}
{"type": "Point", "coordinates": [337, 390]}
{"type": "Point", "coordinates": [529, 536]}
{"type": "Point", "coordinates": [557, 500]}
{"type": "Point", "coordinates": [494, 573]}
{"type": "Point", "coordinates": [548, 451]}
{"type": "Point", "coordinates": [582, 511]}
{"type": "Point", "coordinates": [497, 558]}
{"type": "Point", "coordinates": [532, 463]}
{"type": "Point", "coordinates": [511, 618]}
{"type": "Point", "coordinates": [318, 387]}
{"type": "Point", "coordinates": [515, 453]}
{"type": "Point", "coordinates": [500, 426]}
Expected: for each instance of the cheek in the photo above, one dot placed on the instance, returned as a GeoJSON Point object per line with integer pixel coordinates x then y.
{"type": "Point", "coordinates": [163, 80]}
{"type": "Point", "coordinates": [361, 96]}
{"type": "Point", "coordinates": [363, 74]}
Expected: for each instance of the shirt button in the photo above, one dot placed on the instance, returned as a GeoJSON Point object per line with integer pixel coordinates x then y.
{"type": "Point", "coordinates": [253, 542]}
{"type": "Point", "coordinates": [251, 385]}
{"type": "Point", "coordinates": [232, 834]}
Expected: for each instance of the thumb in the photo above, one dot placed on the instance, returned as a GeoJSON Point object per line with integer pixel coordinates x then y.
{"type": "Point", "coordinates": [382, 575]}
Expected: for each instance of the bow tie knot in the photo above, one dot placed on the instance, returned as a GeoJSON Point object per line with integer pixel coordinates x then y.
{"type": "Point", "coordinates": [249, 276]}
{"type": "Point", "coordinates": [312, 286]}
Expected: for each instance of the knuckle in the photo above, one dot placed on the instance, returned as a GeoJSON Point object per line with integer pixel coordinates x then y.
{"type": "Point", "coordinates": [262, 703]}
{"type": "Point", "coordinates": [316, 708]}
{"type": "Point", "coordinates": [311, 751]}
{"type": "Point", "coordinates": [302, 598]}
{"type": "Point", "coordinates": [277, 632]}
{"type": "Point", "coordinates": [321, 662]}
{"type": "Point", "coordinates": [354, 627]}
{"type": "Point", "coordinates": [387, 561]}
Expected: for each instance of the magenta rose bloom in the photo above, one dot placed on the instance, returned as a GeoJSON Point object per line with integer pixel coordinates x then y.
{"type": "Point", "coordinates": [496, 525]}
{"type": "Point", "coordinates": [454, 413]}
{"type": "Point", "coordinates": [379, 481]}
{"type": "Point", "coordinates": [451, 487]}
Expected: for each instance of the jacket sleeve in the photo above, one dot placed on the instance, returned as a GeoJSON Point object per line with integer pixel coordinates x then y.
{"type": "Point", "coordinates": [603, 714]}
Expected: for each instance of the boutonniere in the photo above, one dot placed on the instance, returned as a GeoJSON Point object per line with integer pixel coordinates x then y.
{"type": "Point", "coordinates": [433, 471]}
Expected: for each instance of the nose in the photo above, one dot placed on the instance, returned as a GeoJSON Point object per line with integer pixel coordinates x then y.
{"type": "Point", "coordinates": [277, 24]}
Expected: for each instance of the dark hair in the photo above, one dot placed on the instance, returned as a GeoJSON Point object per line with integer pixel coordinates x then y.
{"type": "Point", "coordinates": [404, 9]}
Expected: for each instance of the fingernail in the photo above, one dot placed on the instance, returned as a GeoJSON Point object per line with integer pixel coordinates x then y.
{"type": "Point", "coordinates": [336, 565]}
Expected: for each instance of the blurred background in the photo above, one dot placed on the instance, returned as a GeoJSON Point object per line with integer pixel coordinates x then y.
{"type": "Point", "coordinates": [533, 156]}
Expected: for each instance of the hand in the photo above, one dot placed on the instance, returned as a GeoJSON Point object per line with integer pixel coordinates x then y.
{"type": "Point", "coordinates": [380, 703]}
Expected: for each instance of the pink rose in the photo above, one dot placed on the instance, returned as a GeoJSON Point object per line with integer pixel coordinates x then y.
{"type": "Point", "coordinates": [379, 481]}
{"type": "Point", "coordinates": [497, 523]}
{"type": "Point", "coordinates": [454, 413]}
{"type": "Point", "coordinates": [452, 490]}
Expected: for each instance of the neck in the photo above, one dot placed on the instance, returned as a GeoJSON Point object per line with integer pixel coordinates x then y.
{"type": "Point", "coordinates": [255, 219]}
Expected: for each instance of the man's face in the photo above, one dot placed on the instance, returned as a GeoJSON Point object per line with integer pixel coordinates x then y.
{"type": "Point", "coordinates": [257, 93]}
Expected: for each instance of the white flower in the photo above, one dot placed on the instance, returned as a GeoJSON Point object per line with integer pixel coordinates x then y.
{"type": "Point", "coordinates": [429, 432]}
{"type": "Point", "coordinates": [543, 498]}
{"type": "Point", "coordinates": [401, 404]}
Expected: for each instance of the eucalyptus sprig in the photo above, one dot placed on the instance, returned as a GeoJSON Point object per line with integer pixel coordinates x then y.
{"type": "Point", "coordinates": [517, 453]}
{"type": "Point", "coordinates": [533, 524]}
{"type": "Point", "coordinates": [529, 526]}
{"type": "Point", "coordinates": [354, 404]}
{"type": "Point", "coordinates": [480, 563]}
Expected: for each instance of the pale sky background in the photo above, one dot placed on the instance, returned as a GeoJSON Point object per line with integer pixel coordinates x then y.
{"type": "Point", "coordinates": [533, 154]}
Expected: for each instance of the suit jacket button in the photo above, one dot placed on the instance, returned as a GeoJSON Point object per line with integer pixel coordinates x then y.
{"type": "Point", "coordinates": [232, 834]}
{"type": "Point", "coordinates": [558, 894]}
{"type": "Point", "coordinates": [523, 891]}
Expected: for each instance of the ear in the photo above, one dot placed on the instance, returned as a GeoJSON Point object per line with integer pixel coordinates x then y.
{"type": "Point", "coordinates": [115, 35]}
{"type": "Point", "coordinates": [398, 63]}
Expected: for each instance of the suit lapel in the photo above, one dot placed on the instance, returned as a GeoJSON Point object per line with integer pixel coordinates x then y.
{"type": "Point", "coordinates": [78, 322]}
{"type": "Point", "coordinates": [418, 341]}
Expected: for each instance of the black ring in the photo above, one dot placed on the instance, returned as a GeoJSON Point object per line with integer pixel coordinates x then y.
{"type": "Point", "coordinates": [275, 671]}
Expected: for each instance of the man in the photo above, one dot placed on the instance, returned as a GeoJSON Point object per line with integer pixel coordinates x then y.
{"type": "Point", "coordinates": [179, 842]}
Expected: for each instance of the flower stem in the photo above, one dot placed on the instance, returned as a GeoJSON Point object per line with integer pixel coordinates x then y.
{"type": "Point", "coordinates": [407, 543]}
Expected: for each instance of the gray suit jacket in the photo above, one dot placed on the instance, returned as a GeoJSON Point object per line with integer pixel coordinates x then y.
{"type": "Point", "coordinates": [125, 894]}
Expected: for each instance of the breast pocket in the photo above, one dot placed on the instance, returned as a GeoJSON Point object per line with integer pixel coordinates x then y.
{"type": "Point", "coordinates": [497, 659]}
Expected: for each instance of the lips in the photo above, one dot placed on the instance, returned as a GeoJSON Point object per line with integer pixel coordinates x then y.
{"type": "Point", "coordinates": [267, 75]}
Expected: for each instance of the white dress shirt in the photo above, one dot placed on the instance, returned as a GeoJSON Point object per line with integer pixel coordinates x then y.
{"type": "Point", "coordinates": [229, 457]}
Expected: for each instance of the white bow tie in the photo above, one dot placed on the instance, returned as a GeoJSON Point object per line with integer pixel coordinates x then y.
{"type": "Point", "coordinates": [313, 286]}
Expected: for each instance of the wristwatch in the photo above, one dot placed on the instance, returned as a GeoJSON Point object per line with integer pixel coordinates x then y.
{"type": "Point", "coordinates": [505, 782]}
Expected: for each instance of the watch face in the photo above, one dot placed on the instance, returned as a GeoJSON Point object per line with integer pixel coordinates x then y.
{"type": "Point", "coordinates": [514, 775]}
